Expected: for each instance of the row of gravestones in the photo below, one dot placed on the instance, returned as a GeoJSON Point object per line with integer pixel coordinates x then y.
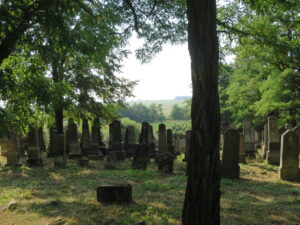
{"type": "Point", "coordinates": [281, 150]}
{"type": "Point", "coordinates": [93, 147]}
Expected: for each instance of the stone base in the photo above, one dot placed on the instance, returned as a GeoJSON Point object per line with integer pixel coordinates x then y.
{"type": "Point", "coordinates": [291, 174]}
{"type": "Point", "coordinates": [114, 194]}
{"type": "Point", "coordinates": [60, 162]}
{"type": "Point", "coordinates": [230, 172]}
{"type": "Point", "coordinates": [34, 162]}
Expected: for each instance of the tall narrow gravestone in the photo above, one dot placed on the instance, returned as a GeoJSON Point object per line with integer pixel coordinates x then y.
{"type": "Point", "coordinates": [85, 143]}
{"type": "Point", "coordinates": [230, 157]}
{"type": "Point", "coordinates": [242, 153]}
{"type": "Point", "coordinates": [12, 144]}
{"type": "Point", "coordinates": [115, 140]}
{"type": "Point", "coordinates": [248, 139]}
{"type": "Point", "coordinates": [273, 154]}
{"type": "Point", "coordinates": [34, 154]}
{"type": "Point", "coordinates": [129, 145]}
{"type": "Point", "coordinates": [162, 139]}
{"type": "Point", "coordinates": [95, 153]}
{"type": "Point", "coordinates": [289, 156]}
{"type": "Point", "coordinates": [75, 151]}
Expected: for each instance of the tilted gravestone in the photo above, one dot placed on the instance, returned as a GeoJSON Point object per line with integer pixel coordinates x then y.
{"type": "Point", "coordinates": [95, 153]}
{"type": "Point", "coordinates": [162, 139]}
{"type": "Point", "coordinates": [273, 153]}
{"type": "Point", "coordinates": [141, 157]}
{"type": "Point", "coordinates": [60, 160]}
{"type": "Point", "coordinates": [115, 140]}
{"type": "Point", "coordinates": [85, 143]}
{"type": "Point", "coordinates": [34, 153]}
{"type": "Point", "coordinates": [248, 139]}
{"type": "Point", "coordinates": [12, 144]}
{"type": "Point", "coordinates": [289, 156]}
{"type": "Point", "coordinates": [52, 144]}
{"type": "Point", "coordinates": [75, 150]}
{"type": "Point", "coordinates": [242, 153]}
{"type": "Point", "coordinates": [129, 145]}
{"type": "Point", "coordinates": [265, 141]}
{"type": "Point", "coordinates": [230, 157]}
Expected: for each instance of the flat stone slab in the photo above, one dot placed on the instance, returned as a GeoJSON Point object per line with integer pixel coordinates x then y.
{"type": "Point", "coordinates": [114, 194]}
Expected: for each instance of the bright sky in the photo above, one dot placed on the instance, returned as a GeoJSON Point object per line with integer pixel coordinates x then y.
{"type": "Point", "coordinates": [165, 77]}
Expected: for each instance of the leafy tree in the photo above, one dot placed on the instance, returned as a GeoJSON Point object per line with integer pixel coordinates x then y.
{"type": "Point", "coordinates": [177, 113]}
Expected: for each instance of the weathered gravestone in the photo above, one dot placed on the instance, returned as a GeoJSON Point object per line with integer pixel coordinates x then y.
{"type": "Point", "coordinates": [129, 145]}
{"type": "Point", "coordinates": [60, 160]}
{"type": "Point", "coordinates": [265, 141]}
{"type": "Point", "coordinates": [12, 144]}
{"type": "Point", "coordinates": [85, 143]}
{"type": "Point", "coordinates": [95, 153]}
{"type": "Point", "coordinates": [115, 140]}
{"type": "Point", "coordinates": [248, 139]}
{"type": "Point", "coordinates": [52, 144]}
{"type": "Point", "coordinates": [141, 157]}
{"type": "Point", "coordinates": [41, 140]}
{"type": "Point", "coordinates": [34, 153]}
{"type": "Point", "coordinates": [273, 154]}
{"type": "Point", "coordinates": [165, 162]}
{"type": "Point", "coordinates": [289, 156]}
{"type": "Point", "coordinates": [242, 153]}
{"type": "Point", "coordinates": [187, 144]}
{"type": "Point", "coordinates": [230, 158]}
{"type": "Point", "coordinates": [75, 151]}
{"type": "Point", "coordinates": [170, 143]}
{"type": "Point", "coordinates": [162, 139]}
{"type": "Point", "coordinates": [111, 160]}
{"type": "Point", "coordinates": [114, 194]}
{"type": "Point", "coordinates": [297, 130]}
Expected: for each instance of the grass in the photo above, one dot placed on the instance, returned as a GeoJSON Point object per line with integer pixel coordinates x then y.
{"type": "Point", "coordinates": [68, 196]}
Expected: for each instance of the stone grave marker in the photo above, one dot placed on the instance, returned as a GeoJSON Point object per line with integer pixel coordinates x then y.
{"type": "Point", "coordinates": [289, 156]}
{"type": "Point", "coordinates": [230, 157]}
{"type": "Point", "coordinates": [129, 145]}
{"type": "Point", "coordinates": [141, 157]}
{"type": "Point", "coordinates": [170, 143]}
{"type": "Point", "coordinates": [95, 153]}
{"type": "Point", "coordinates": [75, 150]}
{"type": "Point", "coordinates": [115, 140]}
{"type": "Point", "coordinates": [242, 153]}
{"type": "Point", "coordinates": [162, 139]}
{"type": "Point", "coordinates": [85, 143]}
{"type": "Point", "coordinates": [165, 162]}
{"type": "Point", "coordinates": [273, 153]}
{"type": "Point", "coordinates": [60, 160]}
{"type": "Point", "coordinates": [34, 153]}
{"type": "Point", "coordinates": [248, 139]}
{"type": "Point", "coordinates": [12, 144]}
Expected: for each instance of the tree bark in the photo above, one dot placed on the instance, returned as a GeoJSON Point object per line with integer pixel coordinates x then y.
{"type": "Point", "coordinates": [202, 198]}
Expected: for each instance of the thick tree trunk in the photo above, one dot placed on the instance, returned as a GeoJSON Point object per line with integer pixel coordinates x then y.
{"type": "Point", "coordinates": [202, 198]}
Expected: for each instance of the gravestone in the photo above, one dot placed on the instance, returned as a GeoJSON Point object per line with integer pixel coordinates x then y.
{"type": "Point", "coordinates": [129, 145]}
{"type": "Point", "coordinates": [75, 151]}
{"type": "Point", "coordinates": [187, 144]}
{"type": "Point", "coordinates": [141, 157]}
{"type": "Point", "coordinates": [60, 160]}
{"type": "Point", "coordinates": [114, 194]}
{"type": "Point", "coordinates": [273, 153]}
{"type": "Point", "coordinates": [52, 144]}
{"type": "Point", "coordinates": [297, 131]}
{"type": "Point", "coordinates": [41, 140]}
{"type": "Point", "coordinates": [34, 154]}
{"type": "Point", "coordinates": [85, 142]}
{"type": "Point", "coordinates": [289, 156]}
{"type": "Point", "coordinates": [115, 138]}
{"type": "Point", "coordinates": [242, 153]}
{"type": "Point", "coordinates": [170, 142]}
{"type": "Point", "coordinates": [12, 144]}
{"type": "Point", "coordinates": [248, 139]}
{"type": "Point", "coordinates": [95, 153]}
{"type": "Point", "coordinates": [165, 162]}
{"type": "Point", "coordinates": [143, 140]}
{"type": "Point", "coordinates": [265, 141]}
{"type": "Point", "coordinates": [182, 144]}
{"type": "Point", "coordinates": [101, 143]}
{"type": "Point", "coordinates": [230, 157]}
{"type": "Point", "coordinates": [151, 142]}
{"type": "Point", "coordinates": [162, 139]}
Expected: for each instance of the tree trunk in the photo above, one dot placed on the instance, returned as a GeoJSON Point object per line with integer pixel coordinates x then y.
{"type": "Point", "coordinates": [202, 198]}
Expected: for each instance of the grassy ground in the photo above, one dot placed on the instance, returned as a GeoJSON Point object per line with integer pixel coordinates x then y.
{"type": "Point", "coordinates": [68, 196]}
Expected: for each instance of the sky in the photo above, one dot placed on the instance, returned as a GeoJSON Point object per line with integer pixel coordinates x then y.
{"type": "Point", "coordinates": [165, 77]}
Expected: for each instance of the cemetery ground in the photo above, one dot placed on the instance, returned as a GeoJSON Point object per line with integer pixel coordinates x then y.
{"type": "Point", "coordinates": [68, 196]}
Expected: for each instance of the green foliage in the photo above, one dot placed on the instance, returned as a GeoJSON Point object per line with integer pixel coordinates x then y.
{"type": "Point", "coordinates": [181, 113]}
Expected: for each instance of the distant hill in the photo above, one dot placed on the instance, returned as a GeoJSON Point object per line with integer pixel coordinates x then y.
{"type": "Point", "coordinates": [167, 104]}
